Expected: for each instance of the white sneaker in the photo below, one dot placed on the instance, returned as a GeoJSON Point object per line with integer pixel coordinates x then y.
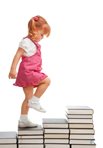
{"type": "Point", "coordinates": [36, 106]}
{"type": "Point", "coordinates": [26, 123]}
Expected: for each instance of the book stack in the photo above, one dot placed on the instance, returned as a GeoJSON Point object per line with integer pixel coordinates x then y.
{"type": "Point", "coordinates": [30, 137]}
{"type": "Point", "coordinates": [8, 140]}
{"type": "Point", "coordinates": [56, 133]}
{"type": "Point", "coordinates": [80, 119]}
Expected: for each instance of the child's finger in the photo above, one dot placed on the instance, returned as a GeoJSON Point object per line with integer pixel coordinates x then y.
{"type": "Point", "coordinates": [12, 76]}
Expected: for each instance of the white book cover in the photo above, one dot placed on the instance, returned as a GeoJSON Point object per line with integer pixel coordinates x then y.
{"type": "Point", "coordinates": [30, 136]}
{"type": "Point", "coordinates": [74, 141]}
{"type": "Point", "coordinates": [79, 107]}
{"type": "Point", "coordinates": [55, 123]}
{"type": "Point", "coordinates": [56, 130]}
{"type": "Point", "coordinates": [30, 141]}
{"type": "Point", "coordinates": [79, 110]}
{"type": "Point", "coordinates": [31, 146]}
{"type": "Point", "coordinates": [81, 125]}
{"type": "Point", "coordinates": [80, 121]}
{"type": "Point", "coordinates": [74, 136]}
{"type": "Point", "coordinates": [57, 146]}
{"type": "Point", "coordinates": [82, 112]}
{"type": "Point", "coordinates": [84, 146]}
{"type": "Point", "coordinates": [82, 131]}
{"type": "Point", "coordinates": [79, 116]}
{"type": "Point", "coordinates": [56, 141]}
{"type": "Point", "coordinates": [3, 141]}
{"type": "Point", "coordinates": [8, 137]}
{"type": "Point", "coordinates": [8, 146]}
{"type": "Point", "coordinates": [56, 136]}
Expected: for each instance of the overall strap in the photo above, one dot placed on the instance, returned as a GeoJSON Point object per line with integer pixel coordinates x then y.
{"type": "Point", "coordinates": [36, 44]}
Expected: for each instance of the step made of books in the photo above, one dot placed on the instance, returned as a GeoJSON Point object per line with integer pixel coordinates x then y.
{"type": "Point", "coordinates": [30, 137]}
{"type": "Point", "coordinates": [8, 140]}
{"type": "Point", "coordinates": [80, 123]}
{"type": "Point", "coordinates": [56, 133]}
{"type": "Point", "coordinates": [74, 131]}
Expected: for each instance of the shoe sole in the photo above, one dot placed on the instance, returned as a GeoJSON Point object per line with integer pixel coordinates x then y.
{"type": "Point", "coordinates": [28, 126]}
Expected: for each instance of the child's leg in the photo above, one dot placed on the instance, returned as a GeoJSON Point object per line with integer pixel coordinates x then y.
{"type": "Point", "coordinates": [41, 88]}
{"type": "Point", "coordinates": [28, 91]}
{"type": "Point", "coordinates": [24, 121]}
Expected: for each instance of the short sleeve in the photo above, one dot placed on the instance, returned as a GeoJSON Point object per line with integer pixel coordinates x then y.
{"type": "Point", "coordinates": [28, 46]}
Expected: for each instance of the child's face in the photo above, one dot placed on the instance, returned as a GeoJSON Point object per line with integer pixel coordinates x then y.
{"type": "Point", "coordinates": [38, 35]}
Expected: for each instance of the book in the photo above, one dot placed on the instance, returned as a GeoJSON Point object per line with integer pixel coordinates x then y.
{"type": "Point", "coordinates": [81, 136]}
{"type": "Point", "coordinates": [31, 146]}
{"type": "Point", "coordinates": [81, 125]}
{"type": "Point", "coordinates": [30, 137]}
{"type": "Point", "coordinates": [56, 130]}
{"type": "Point", "coordinates": [84, 141]}
{"type": "Point", "coordinates": [84, 146]}
{"type": "Point", "coordinates": [79, 116]}
{"type": "Point", "coordinates": [8, 137]}
{"type": "Point", "coordinates": [79, 107]}
{"type": "Point", "coordinates": [8, 146]}
{"type": "Point", "coordinates": [30, 131]}
{"type": "Point", "coordinates": [56, 141]}
{"type": "Point", "coordinates": [64, 136]}
{"type": "Point", "coordinates": [82, 131]}
{"type": "Point", "coordinates": [80, 120]}
{"type": "Point", "coordinates": [55, 123]}
{"type": "Point", "coordinates": [57, 146]}
{"type": "Point", "coordinates": [79, 110]}
{"type": "Point", "coordinates": [29, 141]}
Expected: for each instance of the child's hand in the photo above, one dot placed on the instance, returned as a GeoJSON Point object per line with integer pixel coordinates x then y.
{"type": "Point", "coordinates": [12, 74]}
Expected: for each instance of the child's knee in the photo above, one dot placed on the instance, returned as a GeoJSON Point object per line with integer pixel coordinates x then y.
{"type": "Point", "coordinates": [48, 81]}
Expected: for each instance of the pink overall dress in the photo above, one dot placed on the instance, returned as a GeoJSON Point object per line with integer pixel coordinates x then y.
{"type": "Point", "coordinates": [29, 73]}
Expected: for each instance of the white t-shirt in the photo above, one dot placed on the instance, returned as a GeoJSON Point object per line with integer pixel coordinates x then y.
{"type": "Point", "coordinates": [28, 46]}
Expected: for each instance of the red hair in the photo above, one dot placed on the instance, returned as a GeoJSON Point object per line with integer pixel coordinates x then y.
{"type": "Point", "coordinates": [39, 23]}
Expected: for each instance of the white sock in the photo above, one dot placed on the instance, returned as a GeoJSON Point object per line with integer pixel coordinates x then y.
{"type": "Point", "coordinates": [24, 117]}
{"type": "Point", "coordinates": [35, 99]}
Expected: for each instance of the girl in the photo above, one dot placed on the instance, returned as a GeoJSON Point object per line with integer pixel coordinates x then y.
{"type": "Point", "coordinates": [29, 73]}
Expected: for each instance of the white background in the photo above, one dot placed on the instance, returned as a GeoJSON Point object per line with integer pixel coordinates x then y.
{"type": "Point", "coordinates": [72, 58]}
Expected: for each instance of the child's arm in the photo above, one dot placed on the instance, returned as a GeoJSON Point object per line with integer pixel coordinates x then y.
{"type": "Point", "coordinates": [19, 53]}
